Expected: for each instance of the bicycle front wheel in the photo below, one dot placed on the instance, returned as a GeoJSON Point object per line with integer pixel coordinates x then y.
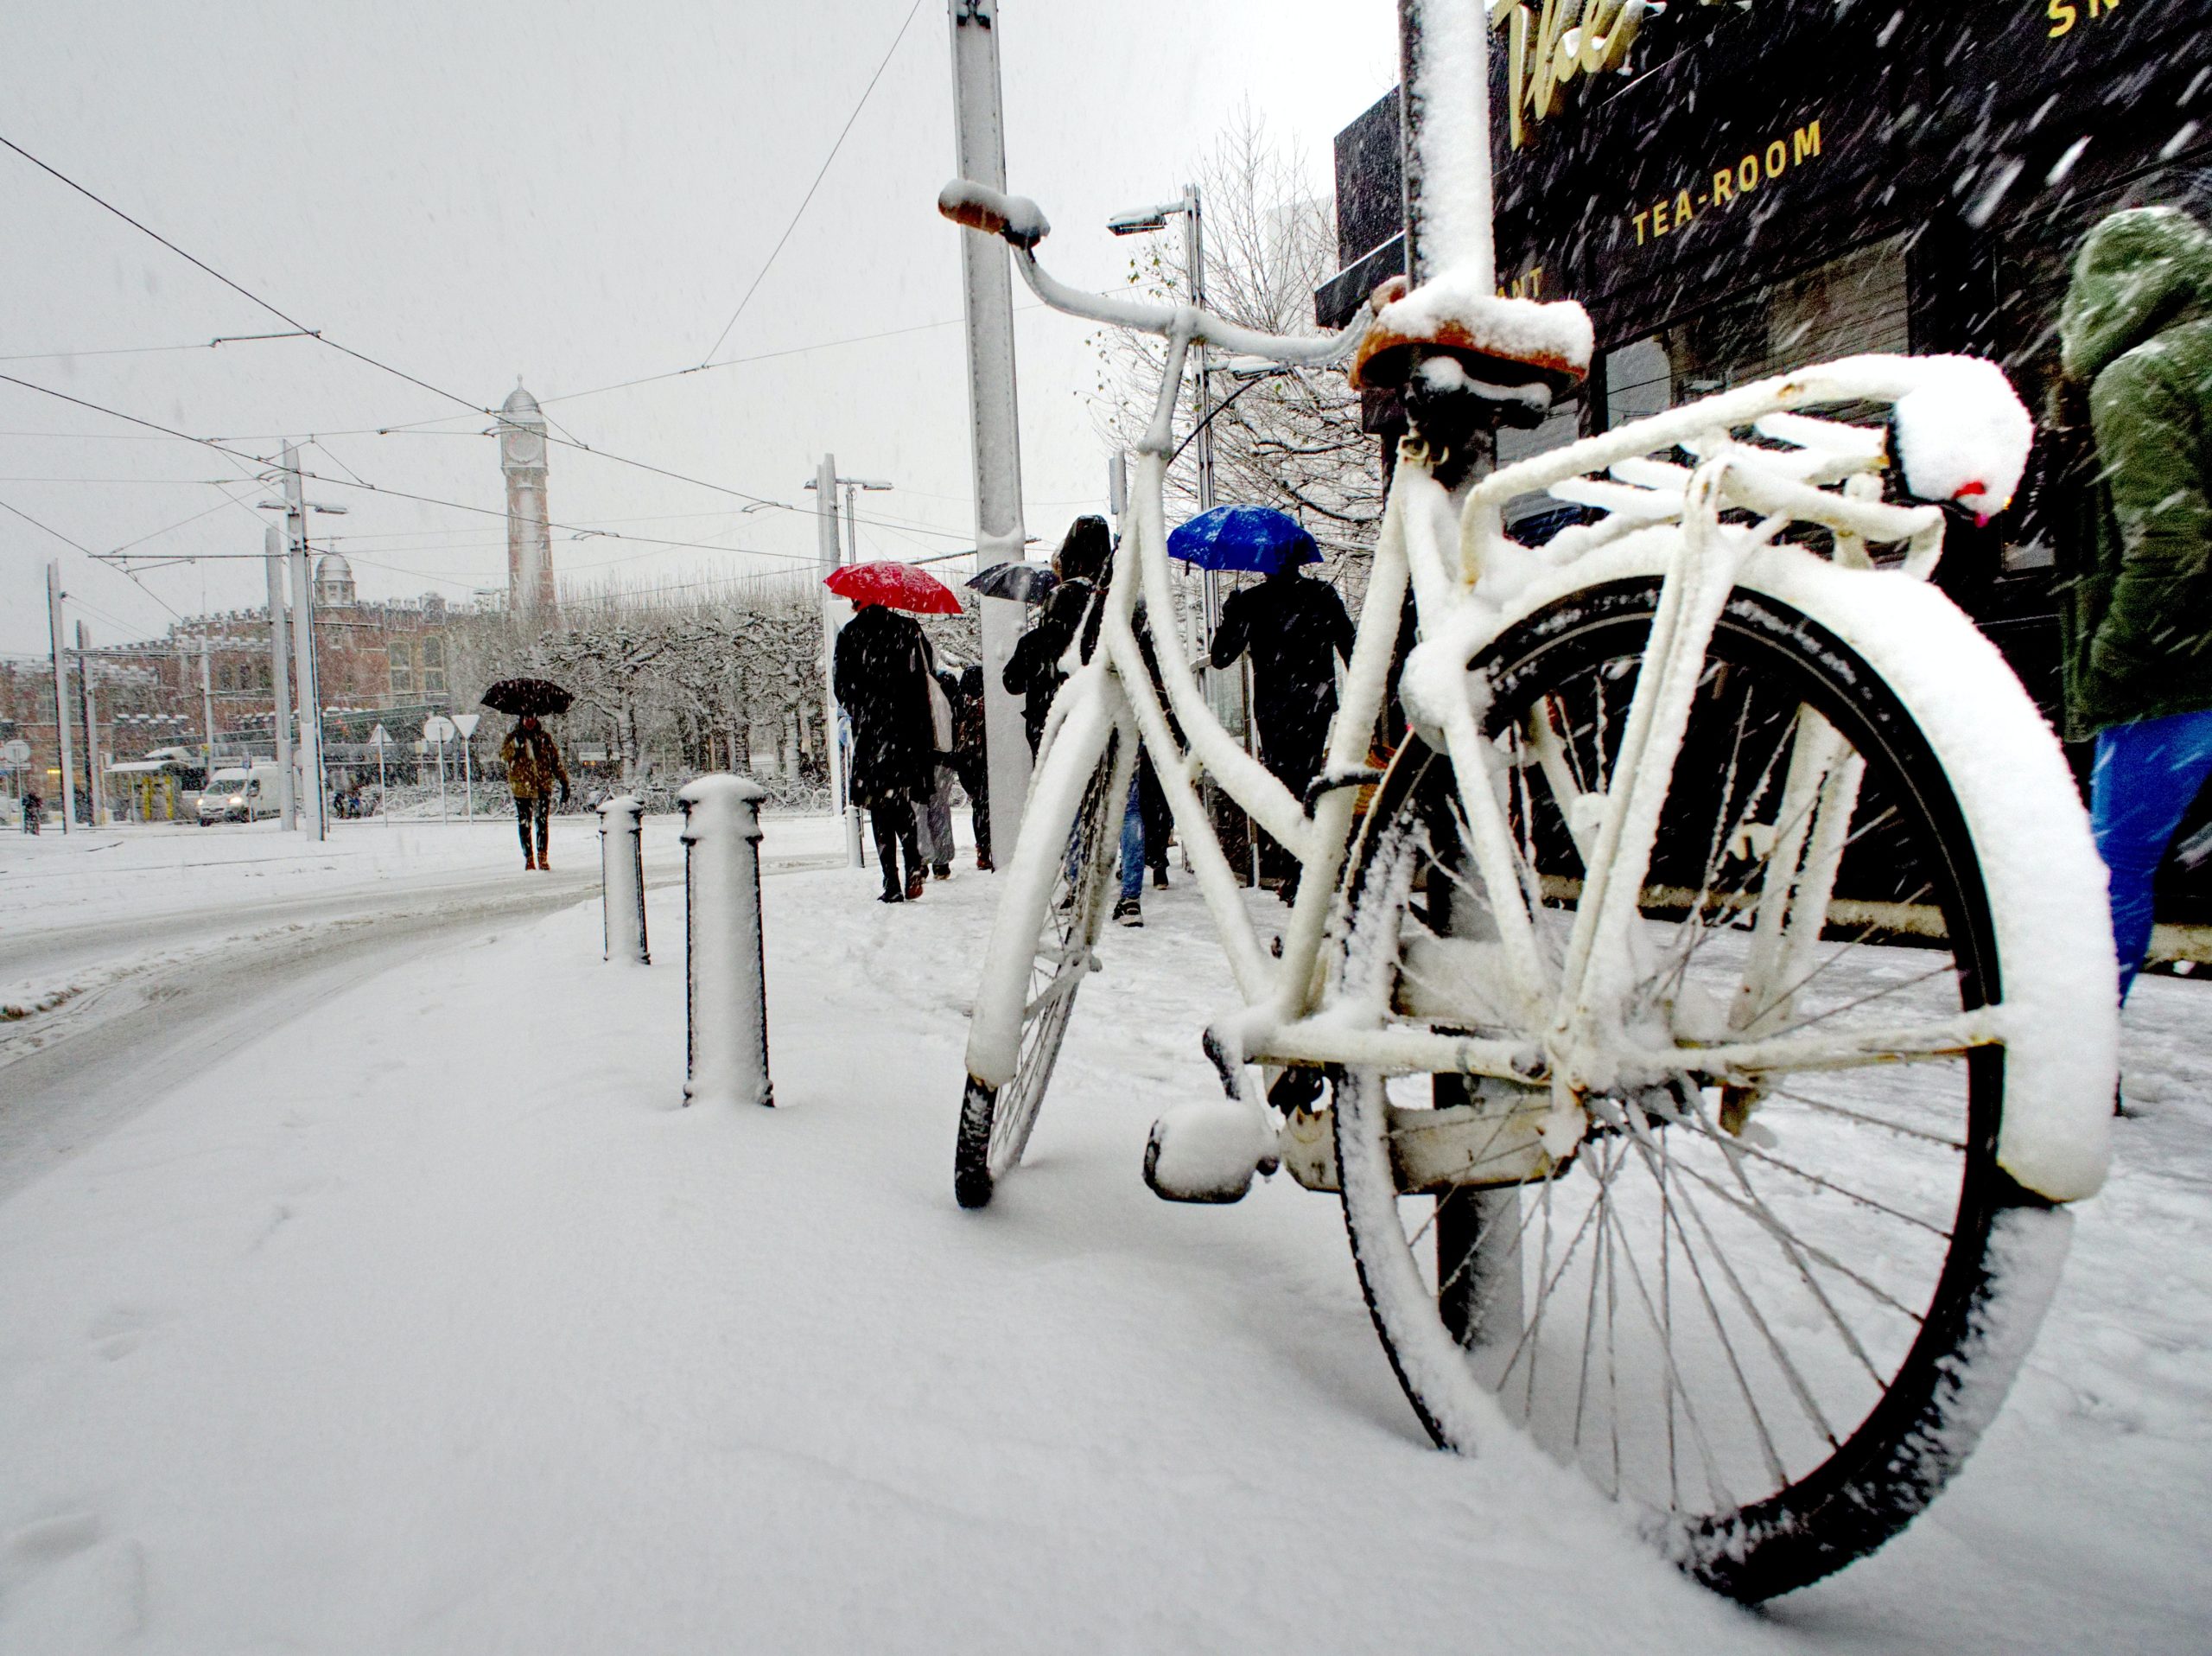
{"type": "Point", "coordinates": [1776, 1316]}
{"type": "Point", "coordinates": [996, 1121]}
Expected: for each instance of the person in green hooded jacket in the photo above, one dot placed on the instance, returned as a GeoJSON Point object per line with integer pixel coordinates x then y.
{"type": "Point", "coordinates": [2135, 335]}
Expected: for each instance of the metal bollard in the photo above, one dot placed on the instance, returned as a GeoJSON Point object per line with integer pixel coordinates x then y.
{"type": "Point", "coordinates": [727, 1045]}
{"type": "Point", "coordinates": [622, 880]}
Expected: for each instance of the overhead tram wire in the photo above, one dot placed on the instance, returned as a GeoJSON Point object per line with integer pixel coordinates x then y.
{"type": "Point", "coordinates": [264, 463]}
{"type": "Point", "coordinates": [155, 350]}
{"type": "Point", "coordinates": [454, 397]}
{"type": "Point", "coordinates": [97, 558]}
{"type": "Point", "coordinates": [290, 321]}
{"type": "Point", "coordinates": [318, 335]}
{"type": "Point", "coordinates": [707, 355]}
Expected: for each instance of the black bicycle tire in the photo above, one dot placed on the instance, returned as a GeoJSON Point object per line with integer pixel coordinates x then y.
{"type": "Point", "coordinates": [1925, 1424]}
{"type": "Point", "coordinates": [974, 1179]}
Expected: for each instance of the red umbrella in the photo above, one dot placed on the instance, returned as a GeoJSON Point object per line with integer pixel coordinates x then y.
{"type": "Point", "coordinates": [897, 586]}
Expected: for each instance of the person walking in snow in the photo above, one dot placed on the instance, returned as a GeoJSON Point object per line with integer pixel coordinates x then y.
{"type": "Point", "coordinates": [969, 761]}
{"type": "Point", "coordinates": [882, 681]}
{"type": "Point", "coordinates": [34, 811]}
{"type": "Point", "coordinates": [2135, 337]}
{"type": "Point", "coordinates": [934, 811]}
{"type": "Point", "coordinates": [1033, 671]}
{"type": "Point", "coordinates": [534, 768]}
{"type": "Point", "coordinates": [1295, 630]}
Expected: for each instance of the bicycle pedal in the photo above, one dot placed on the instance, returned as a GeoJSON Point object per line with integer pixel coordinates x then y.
{"type": "Point", "coordinates": [1206, 1152]}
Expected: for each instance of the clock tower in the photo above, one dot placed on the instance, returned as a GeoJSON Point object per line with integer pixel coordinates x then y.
{"type": "Point", "coordinates": [530, 544]}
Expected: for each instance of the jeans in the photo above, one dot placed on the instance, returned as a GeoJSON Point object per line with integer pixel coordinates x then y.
{"type": "Point", "coordinates": [538, 810]}
{"type": "Point", "coordinates": [1132, 846]}
{"type": "Point", "coordinates": [2146, 775]}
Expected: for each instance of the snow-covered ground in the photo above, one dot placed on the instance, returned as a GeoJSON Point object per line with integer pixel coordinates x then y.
{"type": "Point", "coordinates": [429, 1321]}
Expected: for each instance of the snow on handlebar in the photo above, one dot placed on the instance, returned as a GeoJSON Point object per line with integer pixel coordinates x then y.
{"type": "Point", "coordinates": [1022, 224]}
{"type": "Point", "coordinates": [1016, 218]}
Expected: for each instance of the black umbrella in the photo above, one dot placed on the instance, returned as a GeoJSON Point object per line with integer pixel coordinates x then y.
{"type": "Point", "coordinates": [521, 695]}
{"type": "Point", "coordinates": [1031, 583]}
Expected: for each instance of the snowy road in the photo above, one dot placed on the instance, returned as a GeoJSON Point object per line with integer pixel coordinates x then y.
{"type": "Point", "coordinates": [149, 955]}
{"type": "Point", "coordinates": [476, 1342]}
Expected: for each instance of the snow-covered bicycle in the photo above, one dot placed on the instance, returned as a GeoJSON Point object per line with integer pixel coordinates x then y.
{"type": "Point", "coordinates": [1708, 973]}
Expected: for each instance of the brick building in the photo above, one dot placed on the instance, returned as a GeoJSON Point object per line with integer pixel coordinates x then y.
{"type": "Point", "coordinates": [376, 663]}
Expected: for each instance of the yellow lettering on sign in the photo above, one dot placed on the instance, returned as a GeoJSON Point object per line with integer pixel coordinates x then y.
{"type": "Point", "coordinates": [1562, 39]}
{"type": "Point", "coordinates": [2061, 17]}
{"type": "Point", "coordinates": [1730, 184]}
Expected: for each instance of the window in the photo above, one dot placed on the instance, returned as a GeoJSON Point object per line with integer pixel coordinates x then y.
{"type": "Point", "coordinates": [434, 665]}
{"type": "Point", "coordinates": [1851, 304]}
{"type": "Point", "coordinates": [400, 652]}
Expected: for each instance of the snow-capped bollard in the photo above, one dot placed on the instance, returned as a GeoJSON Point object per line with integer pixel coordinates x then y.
{"type": "Point", "coordinates": [727, 1051]}
{"type": "Point", "coordinates": [622, 879]}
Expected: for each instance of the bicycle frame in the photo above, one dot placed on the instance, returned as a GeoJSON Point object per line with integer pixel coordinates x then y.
{"type": "Point", "coordinates": [1441, 548]}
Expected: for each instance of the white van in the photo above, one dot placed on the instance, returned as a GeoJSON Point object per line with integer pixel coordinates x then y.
{"type": "Point", "coordinates": [240, 795]}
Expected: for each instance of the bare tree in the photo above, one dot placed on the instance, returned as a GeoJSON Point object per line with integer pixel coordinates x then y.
{"type": "Point", "coordinates": [1290, 441]}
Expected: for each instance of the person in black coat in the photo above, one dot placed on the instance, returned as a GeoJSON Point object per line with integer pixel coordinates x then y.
{"type": "Point", "coordinates": [1033, 671]}
{"type": "Point", "coordinates": [970, 762]}
{"type": "Point", "coordinates": [1295, 630]}
{"type": "Point", "coordinates": [879, 680]}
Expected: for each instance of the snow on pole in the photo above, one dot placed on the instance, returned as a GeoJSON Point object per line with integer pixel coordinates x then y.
{"type": "Point", "coordinates": [726, 1047]}
{"type": "Point", "coordinates": [1445, 45]}
{"type": "Point", "coordinates": [622, 880]}
{"type": "Point", "coordinates": [987, 303]}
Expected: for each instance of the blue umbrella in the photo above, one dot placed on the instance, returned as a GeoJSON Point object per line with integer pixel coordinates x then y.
{"type": "Point", "coordinates": [1256, 538]}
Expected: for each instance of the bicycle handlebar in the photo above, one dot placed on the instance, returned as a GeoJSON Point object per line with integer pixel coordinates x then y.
{"type": "Point", "coordinates": [1021, 224]}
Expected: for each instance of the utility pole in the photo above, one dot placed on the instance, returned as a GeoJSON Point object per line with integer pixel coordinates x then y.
{"type": "Point", "coordinates": [295, 515]}
{"type": "Point", "coordinates": [94, 814]}
{"type": "Point", "coordinates": [825, 526]}
{"type": "Point", "coordinates": [208, 697]}
{"type": "Point", "coordinates": [988, 301]}
{"type": "Point", "coordinates": [280, 680]}
{"type": "Point", "coordinates": [60, 690]}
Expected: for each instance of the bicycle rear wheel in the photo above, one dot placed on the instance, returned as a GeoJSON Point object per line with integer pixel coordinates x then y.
{"type": "Point", "coordinates": [1776, 1316]}
{"type": "Point", "coordinates": [995, 1121]}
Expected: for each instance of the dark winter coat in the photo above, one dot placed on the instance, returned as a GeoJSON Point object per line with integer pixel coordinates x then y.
{"type": "Point", "coordinates": [533, 762]}
{"type": "Point", "coordinates": [1294, 628]}
{"type": "Point", "coordinates": [2136, 329]}
{"type": "Point", "coordinates": [1033, 671]}
{"type": "Point", "coordinates": [882, 682]}
{"type": "Point", "coordinates": [964, 690]}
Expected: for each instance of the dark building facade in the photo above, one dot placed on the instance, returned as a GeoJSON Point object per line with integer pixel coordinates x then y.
{"type": "Point", "coordinates": [1776, 182]}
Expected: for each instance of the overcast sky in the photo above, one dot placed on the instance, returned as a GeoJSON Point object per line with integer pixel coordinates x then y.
{"type": "Point", "coordinates": [579, 194]}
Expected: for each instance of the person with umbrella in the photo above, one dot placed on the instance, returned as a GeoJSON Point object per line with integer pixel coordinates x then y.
{"type": "Point", "coordinates": [880, 675]}
{"type": "Point", "coordinates": [534, 767]}
{"type": "Point", "coordinates": [532, 759]}
{"type": "Point", "coordinates": [1295, 630]}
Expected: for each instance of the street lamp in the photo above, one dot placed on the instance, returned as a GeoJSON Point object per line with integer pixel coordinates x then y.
{"type": "Point", "coordinates": [852, 486]}
{"type": "Point", "coordinates": [1226, 696]}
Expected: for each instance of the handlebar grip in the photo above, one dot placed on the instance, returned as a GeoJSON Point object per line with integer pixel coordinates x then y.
{"type": "Point", "coordinates": [1016, 218]}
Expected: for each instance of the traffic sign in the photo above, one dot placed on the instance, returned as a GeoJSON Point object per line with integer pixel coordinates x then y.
{"type": "Point", "coordinates": [439, 728]}
{"type": "Point", "coordinates": [466, 724]}
{"type": "Point", "coordinates": [379, 737]}
{"type": "Point", "coordinates": [18, 752]}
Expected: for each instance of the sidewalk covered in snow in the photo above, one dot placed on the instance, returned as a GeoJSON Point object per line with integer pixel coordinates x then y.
{"type": "Point", "coordinates": [484, 1343]}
